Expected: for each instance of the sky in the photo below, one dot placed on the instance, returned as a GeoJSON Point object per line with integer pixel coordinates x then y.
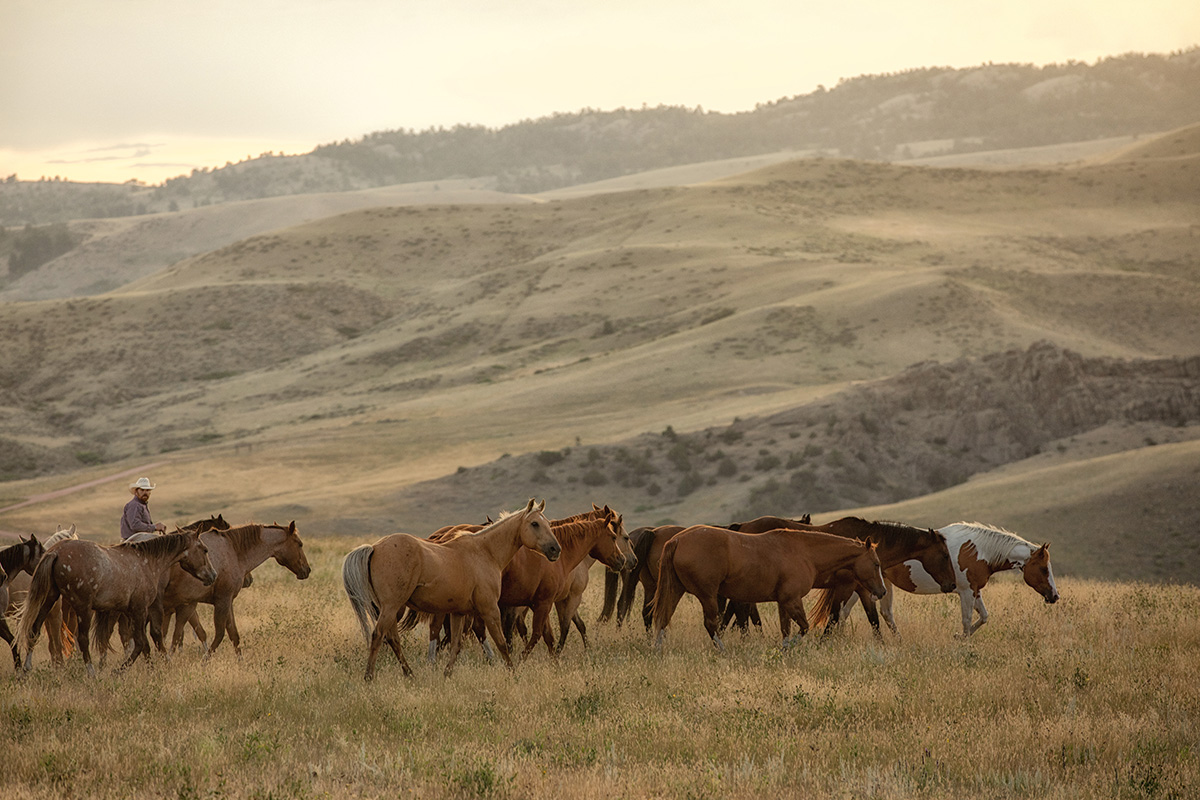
{"type": "Point", "coordinates": [119, 90]}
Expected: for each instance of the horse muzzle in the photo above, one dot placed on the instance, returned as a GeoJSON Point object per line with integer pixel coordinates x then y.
{"type": "Point", "coordinates": [1051, 598]}
{"type": "Point", "coordinates": [552, 551]}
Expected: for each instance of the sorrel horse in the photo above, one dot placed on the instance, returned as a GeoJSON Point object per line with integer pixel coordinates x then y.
{"type": "Point", "coordinates": [648, 545]}
{"type": "Point", "coordinates": [529, 580]}
{"type": "Point", "coordinates": [979, 551]}
{"type": "Point", "coordinates": [121, 579]}
{"type": "Point", "coordinates": [18, 558]}
{"type": "Point", "coordinates": [780, 566]}
{"type": "Point", "coordinates": [460, 577]}
{"type": "Point", "coordinates": [903, 549]}
{"type": "Point", "coordinates": [234, 553]}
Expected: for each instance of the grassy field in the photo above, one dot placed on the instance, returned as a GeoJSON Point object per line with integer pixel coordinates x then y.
{"type": "Point", "coordinates": [1092, 697]}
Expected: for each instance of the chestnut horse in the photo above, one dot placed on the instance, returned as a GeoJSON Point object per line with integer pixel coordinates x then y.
{"type": "Point", "coordinates": [121, 579]}
{"type": "Point", "coordinates": [18, 558]}
{"type": "Point", "coordinates": [460, 577]}
{"type": "Point", "coordinates": [978, 551]}
{"type": "Point", "coordinates": [529, 580]}
{"type": "Point", "coordinates": [780, 566]}
{"type": "Point", "coordinates": [648, 545]}
{"type": "Point", "coordinates": [234, 553]}
{"type": "Point", "coordinates": [903, 550]}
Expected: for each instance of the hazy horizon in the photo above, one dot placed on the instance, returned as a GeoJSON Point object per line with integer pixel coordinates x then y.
{"type": "Point", "coordinates": [149, 91]}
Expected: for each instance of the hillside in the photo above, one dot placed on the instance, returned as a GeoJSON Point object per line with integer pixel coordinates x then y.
{"type": "Point", "coordinates": [317, 371]}
{"type": "Point", "coordinates": [914, 114]}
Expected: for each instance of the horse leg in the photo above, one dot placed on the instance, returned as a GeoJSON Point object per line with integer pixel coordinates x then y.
{"type": "Point", "coordinates": [141, 644]}
{"type": "Point", "coordinates": [539, 630]}
{"type": "Point", "coordinates": [231, 628]}
{"type": "Point", "coordinates": [491, 620]}
{"type": "Point", "coordinates": [712, 619]}
{"type": "Point", "coordinates": [435, 628]}
{"type": "Point", "coordinates": [456, 636]}
{"type": "Point", "coordinates": [885, 607]}
{"type": "Point", "coordinates": [649, 588]}
{"type": "Point", "coordinates": [157, 615]}
{"type": "Point", "coordinates": [868, 604]}
{"type": "Point", "coordinates": [755, 619]}
{"type": "Point", "coordinates": [966, 602]}
{"type": "Point", "coordinates": [385, 627]}
{"type": "Point", "coordinates": [81, 638]}
{"type": "Point", "coordinates": [480, 631]}
{"type": "Point", "coordinates": [222, 612]}
{"type": "Point", "coordinates": [983, 613]}
{"type": "Point", "coordinates": [7, 635]}
{"type": "Point", "coordinates": [792, 608]}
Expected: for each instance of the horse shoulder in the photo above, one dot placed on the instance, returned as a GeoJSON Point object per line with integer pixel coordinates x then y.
{"type": "Point", "coordinates": [970, 563]}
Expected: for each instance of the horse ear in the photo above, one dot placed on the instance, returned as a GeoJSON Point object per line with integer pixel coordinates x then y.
{"type": "Point", "coordinates": [529, 506]}
{"type": "Point", "coordinates": [292, 527]}
{"type": "Point", "coordinates": [541, 506]}
{"type": "Point", "coordinates": [72, 527]}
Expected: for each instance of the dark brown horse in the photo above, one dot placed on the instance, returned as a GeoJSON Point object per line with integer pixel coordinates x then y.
{"type": "Point", "coordinates": [901, 547]}
{"type": "Point", "coordinates": [234, 552]}
{"type": "Point", "coordinates": [18, 558]}
{"type": "Point", "coordinates": [122, 579]}
{"type": "Point", "coordinates": [780, 566]}
{"type": "Point", "coordinates": [460, 577]}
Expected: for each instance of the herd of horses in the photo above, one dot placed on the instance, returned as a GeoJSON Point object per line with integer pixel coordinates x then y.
{"type": "Point", "coordinates": [486, 579]}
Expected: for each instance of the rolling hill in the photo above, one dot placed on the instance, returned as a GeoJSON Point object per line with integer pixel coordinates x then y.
{"type": "Point", "coordinates": [329, 369]}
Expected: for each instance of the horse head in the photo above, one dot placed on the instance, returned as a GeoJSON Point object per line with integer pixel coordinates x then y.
{"type": "Point", "coordinates": [1038, 574]}
{"type": "Point", "coordinates": [195, 560]}
{"type": "Point", "coordinates": [290, 553]}
{"type": "Point", "coordinates": [32, 552]}
{"type": "Point", "coordinates": [536, 533]}
{"type": "Point", "coordinates": [935, 558]}
{"type": "Point", "coordinates": [867, 569]}
{"type": "Point", "coordinates": [613, 548]}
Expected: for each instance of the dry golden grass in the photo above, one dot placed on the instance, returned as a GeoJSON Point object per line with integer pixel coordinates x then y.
{"type": "Point", "coordinates": [1092, 697]}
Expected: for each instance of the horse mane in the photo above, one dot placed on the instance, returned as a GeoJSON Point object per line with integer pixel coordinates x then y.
{"type": "Point", "coordinates": [60, 536]}
{"type": "Point", "coordinates": [164, 545]}
{"type": "Point", "coordinates": [573, 530]}
{"type": "Point", "coordinates": [997, 543]}
{"type": "Point", "coordinates": [245, 537]}
{"type": "Point", "coordinates": [907, 536]}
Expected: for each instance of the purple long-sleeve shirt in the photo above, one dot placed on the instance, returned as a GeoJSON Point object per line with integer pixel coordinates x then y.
{"type": "Point", "coordinates": [135, 519]}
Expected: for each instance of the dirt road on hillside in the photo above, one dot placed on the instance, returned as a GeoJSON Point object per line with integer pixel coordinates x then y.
{"type": "Point", "coordinates": [41, 498]}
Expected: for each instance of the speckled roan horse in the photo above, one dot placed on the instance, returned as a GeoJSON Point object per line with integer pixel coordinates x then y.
{"type": "Point", "coordinates": [121, 579]}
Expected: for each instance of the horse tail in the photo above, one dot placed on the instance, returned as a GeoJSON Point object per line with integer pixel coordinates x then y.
{"type": "Point", "coordinates": [612, 582]}
{"type": "Point", "coordinates": [102, 628]}
{"type": "Point", "coordinates": [822, 608]}
{"type": "Point", "coordinates": [670, 587]}
{"type": "Point", "coordinates": [412, 618]}
{"type": "Point", "coordinates": [42, 592]}
{"type": "Point", "coordinates": [69, 621]}
{"type": "Point", "coordinates": [356, 578]}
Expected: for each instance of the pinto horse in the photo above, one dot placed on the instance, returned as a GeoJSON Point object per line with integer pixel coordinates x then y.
{"type": "Point", "coordinates": [18, 558]}
{"type": "Point", "coordinates": [234, 553]}
{"type": "Point", "coordinates": [978, 551]}
{"type": "Point", "coordinates": [460, 577]}
{"type": "Point", "coordinates": [903, 550]}
{"type": "Point", "coordinates": [121, 579]}
{"type": "Point", "coordinates": [780, 566]}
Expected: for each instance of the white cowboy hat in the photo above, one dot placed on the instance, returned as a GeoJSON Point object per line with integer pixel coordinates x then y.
{"type": "Point", "coordinates": [142, 483]}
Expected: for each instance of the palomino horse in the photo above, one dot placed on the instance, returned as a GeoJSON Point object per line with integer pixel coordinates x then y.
{"type": "Point", "coordinates": [903, 549]}
{"type": "Point", "coordinates": [460, 577]}
{"type": "Point", "coordinates": [234, 553]}
{"type": "Point", "coordinates": [978, 552]}
{"type": "Point", "coordinates": [18, 558]}
{"type": "Point", "coordinates": [780, 566]}
{"type": "Point", "coordinates": [122, 579]}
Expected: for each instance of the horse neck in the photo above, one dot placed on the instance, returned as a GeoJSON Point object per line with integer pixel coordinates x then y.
{"type": "Point", "coordinates": [501, 540]}
{"type": "Point", "coordinates": [828, 556]}
{"type": "Point", "coordinates": [576, 538]}
{"type": "Point", "coordinates": [1000, 549]}
{"type": "Point", "coordinates": [12, 559]}
{"type": "Point", "coordinates": [250, 543]}
{"type": "Point", "coordinates": [162, 551]}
